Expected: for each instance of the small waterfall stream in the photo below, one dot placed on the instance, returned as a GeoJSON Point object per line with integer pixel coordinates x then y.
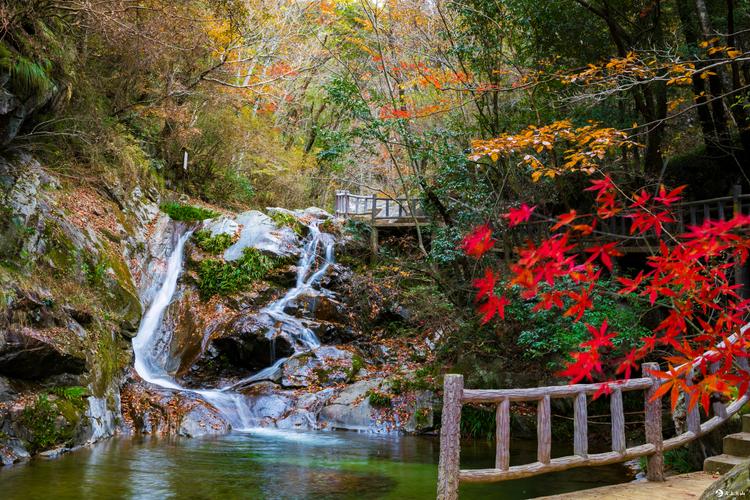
{"type": "Point", "coordinates": [150, 344]}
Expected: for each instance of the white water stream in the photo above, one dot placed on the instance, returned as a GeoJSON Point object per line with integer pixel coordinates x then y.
{"type": "Point", "coordinates": [151, 343]}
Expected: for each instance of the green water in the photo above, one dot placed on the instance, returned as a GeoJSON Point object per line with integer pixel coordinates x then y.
{"type": "Point", "coordinates": [272, 464]}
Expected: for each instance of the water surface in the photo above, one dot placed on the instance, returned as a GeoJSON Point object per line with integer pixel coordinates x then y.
{"type": "Point", "coordinates": [271, 464]}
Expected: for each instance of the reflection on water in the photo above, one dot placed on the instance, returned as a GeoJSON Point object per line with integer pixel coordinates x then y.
{"type": "Point", "coordinates": [271, 464]}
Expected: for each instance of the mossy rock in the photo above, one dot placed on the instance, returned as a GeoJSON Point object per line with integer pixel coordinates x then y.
{"type": "Point", "coordinates": [734, 484]}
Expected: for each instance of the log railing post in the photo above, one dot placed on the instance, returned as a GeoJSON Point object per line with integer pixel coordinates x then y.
{"type": "Point", "coordinates": [544, 430]}
{"type": "Point", "coordinates": [654, 436]}
{"type": "Point", "coordinates": [618, 421]}
{"type": "Point", "coordinates": [693, 418]}
{"type": "Point", "coordinates": [450, 438]}
{"type": "Point", "coordinates": [580, 426]}
{"type": "Point", "coordinates": [502, 435]}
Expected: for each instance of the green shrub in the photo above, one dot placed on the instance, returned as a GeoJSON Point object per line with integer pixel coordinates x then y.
{"type": "Point", "coordinates": [212, 244]}
{"type": "Point", "coordinates": [216, 277]}
{"type": "Point", "coordinates": [39, 419]}
{"type": "Point", "coordinates": [379, 399]}
{"type": "Point", "coordinates": [549, 336]}
{"type": "Point", "coordinates": [283, 219]}
{"type": "Point", "coordinates": [187, 213]}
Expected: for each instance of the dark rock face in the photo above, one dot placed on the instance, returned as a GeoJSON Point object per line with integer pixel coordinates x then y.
{"type": "Point", "coordinates": [27, 354]}
{"type": "Point", "coordinates": [14, 110]}
{"type": "Point", "coordinates": [332, 333]}
{"type": "Point", "coordinates": [247, 344]}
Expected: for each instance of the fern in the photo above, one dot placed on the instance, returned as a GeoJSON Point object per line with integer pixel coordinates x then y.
{"type": "Point", "coordinates": [27, 78]}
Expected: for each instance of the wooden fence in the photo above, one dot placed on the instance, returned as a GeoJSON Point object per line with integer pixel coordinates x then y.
{"type": "Point", "coordinates": [455, 396]}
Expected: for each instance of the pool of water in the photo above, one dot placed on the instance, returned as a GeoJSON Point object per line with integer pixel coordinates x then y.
{"type": "Point", "coordinates": [270, 464]}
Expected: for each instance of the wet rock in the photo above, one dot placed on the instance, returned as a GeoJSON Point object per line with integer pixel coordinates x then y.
{"type": "Point", "coordinates": [268, 403]}
{"type": "Point", "coordinates": [202, 419]}
{"type": "Point", "coordinates": [250, 342]}
{"type": "Point", "coordinates": [351, 409]}
{"type": "Point", "coordinates": [318, 306]}
{"type": "Point", "coordinates": [29, 354]}
{"type": "Point", "coordinates": [12, 451]}
{"type": "Point", "coordinates": [54, 452]}
{"type": "Point", "coordinates": [323, 366]}
{"type": "Point", "coordinates": [147, 409]}
{"type": "Point", "coordinates": [337, 279]}
{"type": "Point", "coordinates": [260, 232]}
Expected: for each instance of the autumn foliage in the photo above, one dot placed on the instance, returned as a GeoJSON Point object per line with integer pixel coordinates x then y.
{"type": "Point", "coordinates": [688, 279]}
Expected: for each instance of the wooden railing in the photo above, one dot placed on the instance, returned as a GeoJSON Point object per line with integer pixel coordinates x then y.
{"type": "Point", "coordinates": [455, 396]}
{"type": "Point", "coordinates": [687, 214]}
{"type": "Point", "coordinates": [377, 207]}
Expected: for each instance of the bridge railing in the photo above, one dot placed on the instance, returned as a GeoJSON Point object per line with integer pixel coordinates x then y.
{"type": "Point", "coordinates": [377, 207]}
{"type": "Point", "coordinates": [455, 396]}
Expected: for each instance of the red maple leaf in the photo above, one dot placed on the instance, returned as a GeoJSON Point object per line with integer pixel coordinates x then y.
{"type": "Point", "coordinates": [478, 242]}
{"type": "Point", "coordinates": [493, 305]}
{"type": "Point", "coordinates": [565, 219]}
{"type": "Point", "coordinates": [668, 199]}
{"type": "Point", "coordinates": [486, 285]}
{"type": "Point", "coordinates": [518, 215]}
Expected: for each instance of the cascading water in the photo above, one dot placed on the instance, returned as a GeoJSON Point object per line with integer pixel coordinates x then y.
{"type": "Point", "coordinates": [151, 342]}
{"type": "Point", "coordinates": [304, 338]}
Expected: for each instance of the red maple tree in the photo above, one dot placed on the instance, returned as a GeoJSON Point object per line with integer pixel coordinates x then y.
{"type": "Point", "coordinates": [688, 276]}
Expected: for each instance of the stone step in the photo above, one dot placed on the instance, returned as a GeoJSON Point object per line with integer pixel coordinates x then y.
{"type": "Point", "coordinates": [737, 444]}
{"type": "Point", "coordinates": [721, 463]}
{"type": "Point", "coordinates": [746, 423]}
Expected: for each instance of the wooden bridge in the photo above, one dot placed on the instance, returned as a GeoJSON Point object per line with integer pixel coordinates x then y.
{"type": "Point", "coordinates": [455, 396]}
{"type": "Point", "coordinates": [380, 210]}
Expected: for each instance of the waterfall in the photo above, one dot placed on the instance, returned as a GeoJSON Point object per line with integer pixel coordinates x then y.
{"type": "Point", "coordinates": [150, 344]}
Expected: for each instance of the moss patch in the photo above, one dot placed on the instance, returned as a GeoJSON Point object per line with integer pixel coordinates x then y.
{"type": "Point", "coordinates": [379, 399]}
{"type": "Point", "coordinates": [283, 219]}
{"type": "Point", "coordinates": [181, 212]}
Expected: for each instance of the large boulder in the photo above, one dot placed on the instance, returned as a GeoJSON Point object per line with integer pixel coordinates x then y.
{"type": "Point", "coordinates": [322, 366]}
{"type": "Point", "coordinates": [260, 232]}
{"type": "Point", "coordinates": [147, 409]}
{"type": "Point", "coordinates": [351, 409]}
